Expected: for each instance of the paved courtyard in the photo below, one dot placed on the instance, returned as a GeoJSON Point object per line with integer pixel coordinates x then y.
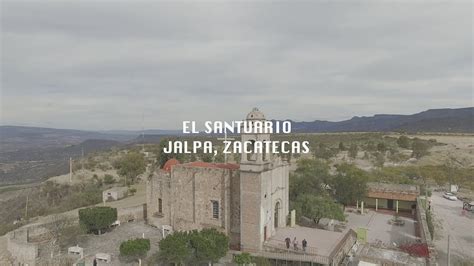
{"type": "Point", "coordinates": [379, 229]}
{"type": "Point", "coordinates": [110, 242]}
{"type": "Point", "coordinates": [449, 220]}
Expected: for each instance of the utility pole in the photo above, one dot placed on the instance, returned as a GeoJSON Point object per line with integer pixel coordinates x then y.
{"type": "Point", "coordinates": [143, 132]}
{"type": "Point", "coordinates": [449, 252]}
{"type": "Point", "coordinates": [82, 159]}
{"type": "Point", "coordinates": [70, 169]}
{"type": "Point", "coordinates": [26, 208]}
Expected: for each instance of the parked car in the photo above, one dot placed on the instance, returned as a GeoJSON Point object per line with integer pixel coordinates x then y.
{"type": "Point", "coordinates": [469, 206]}
{"type": "Point", "coordinates": [449, 196]}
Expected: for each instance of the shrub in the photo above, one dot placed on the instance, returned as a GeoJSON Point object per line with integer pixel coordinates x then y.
{"type": "Point", "coordinates": [243, 258]}
{"type": "Point", "coordinates": [97, 218]}
{"type": "Point", "coordinates": [429, 221]}
{"type": "Point", "coordinates": [135, 248]}
{"type": "Point", "coordinates": [196, 247]}
{"type": "Point", "coordinates": [109, 179]}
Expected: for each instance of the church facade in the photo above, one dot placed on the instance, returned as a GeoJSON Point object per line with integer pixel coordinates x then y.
{"type": "Point", "coordinates": [247, 201]}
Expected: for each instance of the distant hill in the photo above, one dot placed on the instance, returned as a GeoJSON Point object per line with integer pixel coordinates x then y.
{"type": "Point", "coordinates": [435, 120]}
{"type": "Point", "coordinates": [15, 138]}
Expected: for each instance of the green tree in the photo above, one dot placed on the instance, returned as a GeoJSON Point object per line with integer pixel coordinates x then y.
{"type": "Point", "coordinates": [175, 248]}
{"type": "Point", "coordinates": [420, 148]}
{"type": "Point", "coordinates": [379, 159]}
{"type": "Point", "coordinates": [209, 245]}
{"type": "Point", "coordinates": [353, 150]}
{"type": "Point", "coordinates": [324, 152]}
{"type": "Point", "coordinates": [403, 142]}
{"type": "Point", "coordinates": [310, 177]}
{"type": "Point", "coordinates": [109, 179]}
{"type": "Point", "coordinates": [96, 219]}
{"type": "Point", "coordinates": [196, 247]}
{"type": "Point", "coordinates": [135, 249]}
{"type": "Point", "coordinates": [206, 157]}
{"type": "Point", "coordinates": [164, 157]}
{"type": "Point", "coordinates": [350, 184]}
{"type": "Point", "coordinates": [381, 147]}
{"type": "Point", "coordinates": [341, 146]}
{"type": "Point", "coordinates": [317, 207]}
{"type": "Point", "coordinates": [130, 166]}
{"type": "Point", "coordinates": [243, 258]}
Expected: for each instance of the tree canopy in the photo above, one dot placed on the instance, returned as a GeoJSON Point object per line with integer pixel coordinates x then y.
{"type": "Point", "coordinates": [131, 165]}
{"type": "Point", "coordinates": [207, 245]}
{"type": "Point", "coordinates": [317, 207]}
{"type": "Point", "coordinates": [310, 177]}
{"type": "Point", "coordinates": [135, 248]}
{"type": "Point", "coordinates": [96, 219]}
{"type": "Point", "coordinates": [350, 184]}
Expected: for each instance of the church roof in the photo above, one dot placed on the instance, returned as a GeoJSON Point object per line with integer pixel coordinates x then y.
{"type": "Point", "coordinates": [230, 166]}
{"type": "Point", "coordinates": [255, 114]}
{"type": "Point", "coordinates": [170, 163]}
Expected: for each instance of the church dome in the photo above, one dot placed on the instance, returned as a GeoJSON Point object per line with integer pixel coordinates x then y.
{"type": "Point", "coordinates": [255, 114]}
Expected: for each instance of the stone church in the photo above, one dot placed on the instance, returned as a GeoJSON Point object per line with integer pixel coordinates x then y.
{"type": "Point", "coordinates": [247, 201]}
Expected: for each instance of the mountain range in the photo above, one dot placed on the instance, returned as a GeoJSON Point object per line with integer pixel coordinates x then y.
{"type": "Point", "coordinates": [459, 120]}
{"type": "Point", "coordinates": [29, 154]}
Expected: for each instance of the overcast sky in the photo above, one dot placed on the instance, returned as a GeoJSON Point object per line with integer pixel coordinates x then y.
{"type": "Point", "coordinates": [101, 65]}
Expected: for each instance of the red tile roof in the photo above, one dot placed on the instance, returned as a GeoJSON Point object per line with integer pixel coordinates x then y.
{"type": "Point", "coordinates": [170, 163]}
{"type": "Point", "coordinates": [230, 166]}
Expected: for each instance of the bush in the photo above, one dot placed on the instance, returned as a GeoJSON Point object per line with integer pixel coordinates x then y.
{"type": "Point", "coordinates": [243, 258]}
{"type": "Point", "coordinates": [403, 142]}
{"type": "Point", "coordinates": [429, 221]}
{"type": "Point", "coordinates": [109, 179]}
{"type": "Point", "coordinates": [420, 148]}
{"type": "Point", "coordinates": [97, 218]}
{"type": "Point", "coordinates": [135, 248]}
{"type": "Point", "coordinates": [196, 247]}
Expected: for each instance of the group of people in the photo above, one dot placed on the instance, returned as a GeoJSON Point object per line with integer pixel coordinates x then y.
{"type": "Point", "coordinates": [304, 243]}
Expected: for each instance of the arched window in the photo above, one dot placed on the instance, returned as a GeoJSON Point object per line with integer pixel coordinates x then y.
{"type": "Point", "coordinates": [276, 214]}
{"type": "Point", "coordinates": [251, 156]}
{"type": "Point", "coordinates": [215, 209]}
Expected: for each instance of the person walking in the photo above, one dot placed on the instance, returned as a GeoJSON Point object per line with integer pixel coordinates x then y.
{"type": "Point", "coordinates": [304, 243]}
{"type": "Point", "coordinates": [295, 243]}
{"type": "Point", "coordinates": [287, 241]}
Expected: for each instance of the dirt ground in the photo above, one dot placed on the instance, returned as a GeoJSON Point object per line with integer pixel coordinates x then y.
{"type": "Point", "coordinates": [451, 221]}
{"type": "Point", "coordinates": [110, 242]}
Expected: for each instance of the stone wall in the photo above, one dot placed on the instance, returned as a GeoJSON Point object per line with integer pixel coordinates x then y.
{"type": "Point", "coordinates": [343, 247]}
{"type": "Point", "coordinates": [425, 232]}
{"type": "Point", "coordinates": [186, 197]}
{"type": "Point", "coordinates": [22, 251]}
{"type": "Point", "coordinates": [134, 213]}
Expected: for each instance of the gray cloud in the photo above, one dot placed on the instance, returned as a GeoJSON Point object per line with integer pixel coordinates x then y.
{"type": "Point", "coordinates": [101, 65]}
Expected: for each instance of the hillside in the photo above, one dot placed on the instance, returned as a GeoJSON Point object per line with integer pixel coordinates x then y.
{"type": "Point", "coordinates": [435, 120]}
{"type": "Point", "coordinates": [34, 164]}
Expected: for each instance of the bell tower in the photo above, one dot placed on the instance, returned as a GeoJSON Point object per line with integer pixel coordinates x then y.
{"type": "Point", "coordinates": [254, 161]}
{"type": "Point", "coordinates": [263, 190]}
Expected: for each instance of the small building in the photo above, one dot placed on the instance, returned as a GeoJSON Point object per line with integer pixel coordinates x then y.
{"type": "Point", "coordinates": [76, 250]}
{"type": "Point", "coordinates": [397, 197]}
{"type": "Point", "coordinates": [103, 257]}
{"type": "Point", "coordinates": [114, 193]}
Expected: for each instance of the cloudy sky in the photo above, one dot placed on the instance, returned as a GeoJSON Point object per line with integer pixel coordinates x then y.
{"type": "Point", "coordinates": [102, 65]}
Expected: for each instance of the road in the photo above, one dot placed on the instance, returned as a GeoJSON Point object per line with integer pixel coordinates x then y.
{"type": "Point", "coordinates": [449, 220]}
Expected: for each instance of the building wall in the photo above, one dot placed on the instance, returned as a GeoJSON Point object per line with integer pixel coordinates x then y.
{"type": "Point", "coordinates": [383, 204]}
{"type": "Point", "coordinates": [187, 194]}
{"type": "Point", "coordinates": [21, 250]}
{"type": "Point", "coordinates": [260, 193]}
